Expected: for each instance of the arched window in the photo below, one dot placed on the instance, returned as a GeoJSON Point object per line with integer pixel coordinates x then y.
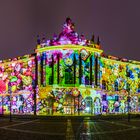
{"type": "Point", "coordinates": [116, 98]}
{"type": "Point", "coordinates": [103, 84]}
{"type": "Point", "coordinates": [21, 98]}
{"type": "Point", "coordinates": [116, 86]}
{"type": "Point", "coordinates": [127, 72]}
{"type": "Point", "coordinates": [127, 87]}
{"type": "Point", "coordinates": [68, 76]}
{"type": "Point", "coordinates": [139, 75]}
{"type": "Point", "coordinates": [139, 87]}
{"type": "Point", "coordinates": [50, 80]}
{"type": "Point", "coordinates": [104, 98]}
{"type": "Point", "coordinates": [86, 80]}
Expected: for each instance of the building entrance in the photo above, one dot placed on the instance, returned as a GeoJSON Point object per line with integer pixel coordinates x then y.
{"type": "Point", "coordinates": [69, 105]}
{"type": "Point", "coordinates": [88, 105]}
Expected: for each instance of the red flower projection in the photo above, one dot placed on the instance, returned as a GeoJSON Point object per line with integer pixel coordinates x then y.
{"type": "Point", "coordinates": [2, 86]}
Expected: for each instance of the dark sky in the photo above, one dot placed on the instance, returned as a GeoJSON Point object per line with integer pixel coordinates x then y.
{"type": "Point", "coordinates": [117, 22]}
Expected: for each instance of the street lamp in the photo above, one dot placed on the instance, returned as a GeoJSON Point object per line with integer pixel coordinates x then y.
{"type": "Point", "coordinates": [9, 91]}
{"type": "Point", "coordinates": [128, 100]}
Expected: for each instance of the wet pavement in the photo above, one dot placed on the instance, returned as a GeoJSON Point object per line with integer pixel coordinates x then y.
{"type": "Point", "coordinates": [69, 129]}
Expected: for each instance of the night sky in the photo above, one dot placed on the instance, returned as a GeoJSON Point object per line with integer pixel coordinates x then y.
{"type": "Point", "coordinates": [117, 22]}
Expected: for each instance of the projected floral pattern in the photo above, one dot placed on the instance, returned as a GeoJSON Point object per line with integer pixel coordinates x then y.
{"type": "Point", "coordinates": [120, 76]}
{"type": "Point", "coordinates": [17, 78]}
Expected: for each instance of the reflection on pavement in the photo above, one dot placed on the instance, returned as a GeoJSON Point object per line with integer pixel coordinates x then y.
{"type": "Point", "coordinates": [89, 129]}
{"type": "Point", "coordinates": [84, 132]}
{"type": "Point", "coordinates": [69, 131]}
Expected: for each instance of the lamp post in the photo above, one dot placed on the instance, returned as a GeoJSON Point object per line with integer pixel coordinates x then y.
{"type": "Point", "coordinates": [9, 90]}
{"type": "Point", "coordinates": [78, 105]}
{"type": "Point", "coordinates": [128, 101]}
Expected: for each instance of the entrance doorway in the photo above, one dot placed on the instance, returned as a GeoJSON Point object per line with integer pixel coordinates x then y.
{"type": "Point", "coordinates": [88, 105]}
{"type": "Point", "coordinates": [69, 105]}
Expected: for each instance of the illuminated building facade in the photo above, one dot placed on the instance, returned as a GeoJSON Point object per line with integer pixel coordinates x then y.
{"type": "Point", "coordinates": [69, 75]}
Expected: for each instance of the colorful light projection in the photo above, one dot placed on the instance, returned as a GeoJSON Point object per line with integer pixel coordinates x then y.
{"type": "Point", "coordinates": [120, 79]}
{"type": "Point", "coordinates": [64, 68]}
{"type": "Point", "coordinates": [70, 101]}
{"type": "Point", "coordinates": [70, 77]}
{"type": "Point", "coordinates": [17, 77]}
{"type": "Point", "coordinates": [82, 101]}
{"type": "Point", "coordinates": [118, 76]}
{"type": "Point", "coordinates": [101, 85]}
{"type": "Point", "coordinates": [67, 36]}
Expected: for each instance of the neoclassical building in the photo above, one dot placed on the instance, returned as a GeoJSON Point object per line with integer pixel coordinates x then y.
{"type": "Point", "coordinates": [69, 75]}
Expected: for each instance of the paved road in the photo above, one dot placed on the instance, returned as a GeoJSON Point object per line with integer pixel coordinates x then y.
{"type": "Point", "coordinates": [69, 129]}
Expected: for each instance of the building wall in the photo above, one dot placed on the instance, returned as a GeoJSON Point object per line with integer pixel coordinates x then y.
{"type": "Point", "coordinates": [100, 85]}
{"type": "Point", "coordinates": [66, 69]}
{"type": "Point", "coordinates": [69, 81]}
{"type": "Point", "coordinates": [120, 75]}
{"type": "Point", "coordinates": [120, 80]}
{"type": "Point", "coordinates": [17, 79]}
